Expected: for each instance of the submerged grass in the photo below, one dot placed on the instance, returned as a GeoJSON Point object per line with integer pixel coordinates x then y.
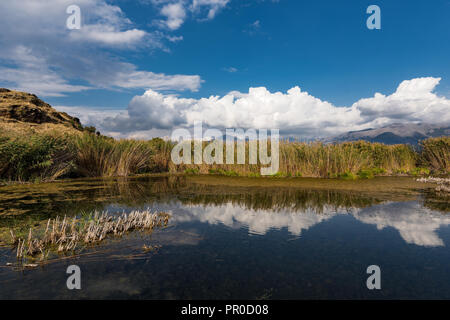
{"type": "Point", "coordinates": [65, 234]}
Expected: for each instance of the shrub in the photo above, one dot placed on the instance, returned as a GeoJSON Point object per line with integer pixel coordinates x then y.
{"type": "Point", "coordinates": [435, 154]}
{"type": "Point", "coordinates": [37, 157]}
{"type": "Point", "coordinates": [366, 174]}
{"type": "Point", "coordinates": [420, 171]}
{"type": "Point", "coordinates": [347, 176]}
{"type": "Point", "coordinates": [191, 171]}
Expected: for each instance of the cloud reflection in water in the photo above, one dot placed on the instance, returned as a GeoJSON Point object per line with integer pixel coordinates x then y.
{"type": "Point", "coordinates": [416, 224]}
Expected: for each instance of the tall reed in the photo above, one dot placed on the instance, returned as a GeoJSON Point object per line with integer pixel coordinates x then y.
{"type": "Point", "coordinates": [316, 159]}
{"type": "Point", "coordinates": [35, 157]}
{"type": "Point", "coordinates": [51, 155]}
{"type": "Point", "coordinates": [99, 156]}
{"type": "Point", "coordinates": [435, 154]}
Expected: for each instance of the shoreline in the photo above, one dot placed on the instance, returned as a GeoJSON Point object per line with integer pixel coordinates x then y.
{"type": "Point", "coordinates": [383, 184]}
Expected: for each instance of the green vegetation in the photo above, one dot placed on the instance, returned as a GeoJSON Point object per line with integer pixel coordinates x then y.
{"type": "Point", "coordinates": [435, 154]}
{"type": "Point", "coordinates": [229, 173]}
{"type": "Point", "coordinates": [348, 160]}
{"type": "Point", "coordinates": [35, 158]}
{"type": "Point", "coordinates": [191, 171]}
{"type": "Point", "coordinates": [99, 156]}
{"type": "Point", "coordinates": [50, 155]}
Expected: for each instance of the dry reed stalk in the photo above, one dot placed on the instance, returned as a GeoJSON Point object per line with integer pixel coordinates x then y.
{"type": "Point", "coordinates": [66, 235]}
{"type": "Point", "coordinates": [443, 184]}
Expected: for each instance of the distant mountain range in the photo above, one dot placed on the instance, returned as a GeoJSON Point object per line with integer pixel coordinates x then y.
{"type": "Point", "coordinates": [410, 133]}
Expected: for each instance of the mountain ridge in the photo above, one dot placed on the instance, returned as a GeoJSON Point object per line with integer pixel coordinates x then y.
{"type": "Point", "coordinates": [396, 133]}
{"type": "Point", "coordinates": [22, 111]}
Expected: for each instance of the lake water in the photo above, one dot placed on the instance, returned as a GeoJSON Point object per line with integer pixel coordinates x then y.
{"type": "Point", "coordinates": [236, 242]}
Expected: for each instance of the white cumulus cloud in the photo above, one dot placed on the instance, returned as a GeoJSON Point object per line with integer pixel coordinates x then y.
{"type": "Point", "coordinates": [294, 112]}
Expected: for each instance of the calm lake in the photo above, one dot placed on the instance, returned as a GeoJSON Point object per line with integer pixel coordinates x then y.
{"type": "Point", "coordinates": [236, 238]}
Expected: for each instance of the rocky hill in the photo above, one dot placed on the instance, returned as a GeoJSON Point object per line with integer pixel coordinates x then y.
{"type": "Point", "coordinates": [24, 111]}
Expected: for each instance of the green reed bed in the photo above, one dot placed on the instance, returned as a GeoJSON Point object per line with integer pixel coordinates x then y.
{"type": "Point", "coordinates": [435, 154]}
{"type": "Point", "coordinates": [103, 157]}
{"type": "Point", "coordinates": [348, 160]}
{"type": "Point", "coordinates": [36, 157]}
{"type": "Point", "coordinates": [46, 157]}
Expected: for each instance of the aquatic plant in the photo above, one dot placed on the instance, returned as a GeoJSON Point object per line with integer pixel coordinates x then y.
{"type": "Point", "coordinates": [52, 155]}
{"type": "Point", "coordinates": [62, 235]}
{"type": "Point", "coordinates": [99, 156]}
{"type": "Point", "coordinates": [435, 154]}
{"type": "Point", "coordinates": [35, 157]}
{"type": "Point", "coordinates": [316, 159]}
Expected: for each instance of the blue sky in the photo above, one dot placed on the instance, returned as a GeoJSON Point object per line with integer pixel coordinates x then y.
{"type": "Point", "coordinates": [221, 46]}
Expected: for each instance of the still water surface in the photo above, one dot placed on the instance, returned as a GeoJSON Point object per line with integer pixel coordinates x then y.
{"type": "Point", "coordinates": [236, 242]}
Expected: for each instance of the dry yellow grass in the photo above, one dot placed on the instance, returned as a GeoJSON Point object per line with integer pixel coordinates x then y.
{"type": "Point", "coordinates": [21, 107]}
{"type": "Point", "coordinates": [65, 234]}
{"type": "Point", "coordinates": [14, 129]}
